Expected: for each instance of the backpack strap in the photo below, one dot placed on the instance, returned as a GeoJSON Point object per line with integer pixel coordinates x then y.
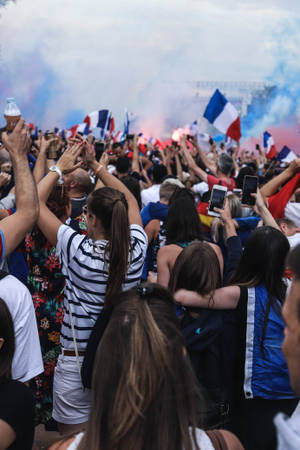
{"type": "Point", "coordinates": [3, 274]}
{"type": "Point", "coordinates": [217, 439]}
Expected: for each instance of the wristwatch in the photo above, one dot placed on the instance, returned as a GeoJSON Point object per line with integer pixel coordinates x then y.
{"type": "Point", "coordinates": [59, 173]}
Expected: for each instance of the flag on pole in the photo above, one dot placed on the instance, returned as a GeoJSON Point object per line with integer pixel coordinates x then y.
{"type": "Point", "coordinates": [97, 119]}
{"type": "Point", "coordinates": [66, 134]}
{"type": "Point", "coordinates": [80, 128]}
{"type": "Point", "coordinates": [126, 123]}
{"type": "Point", "coordinates": [269, 145]}
{"type": "Point", "coordinates": [111, 123]}
{"type": "Point", "coordinates": [223, 115]}
{"type": "Point", "coordinates": [286, 155]}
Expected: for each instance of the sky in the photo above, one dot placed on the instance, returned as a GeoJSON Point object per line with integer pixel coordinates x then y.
{"type": "Point", "coordinates": [62, 59]}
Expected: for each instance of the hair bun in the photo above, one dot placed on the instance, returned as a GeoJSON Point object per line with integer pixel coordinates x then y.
{"type": "Point", "coordinates": [144, 291]}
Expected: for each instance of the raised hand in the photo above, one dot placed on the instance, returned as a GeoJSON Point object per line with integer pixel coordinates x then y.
{"type": "Point", "coordinates": [104, 160]}
{"type": "Point", "coordinates": [66, 162]}
{"type": "Point", "coordinates": [44, 143]}
{"type": "Point", "coordinates": [18, 142]}
{"type": "Point", "coordinates": [294, 166]}
{"type": "Point", "coordinates": [224, 213]}
{"type": "Point", "coordinates": [259, 202]}
{"type": "Point", "coordinates": [4, 179]}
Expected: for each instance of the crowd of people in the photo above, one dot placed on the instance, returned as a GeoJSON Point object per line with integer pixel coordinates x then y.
{"type": "Point", "coordinates": [133, 318]}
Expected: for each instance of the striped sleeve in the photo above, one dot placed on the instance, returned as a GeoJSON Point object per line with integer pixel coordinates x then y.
{"type": "Point", "coordinates": [139, 241]}
{"type": "Point", "coordinates": [68, 242]}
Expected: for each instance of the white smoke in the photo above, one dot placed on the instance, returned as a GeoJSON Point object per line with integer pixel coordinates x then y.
{"type": "Point", "coordinates": [63, 60]}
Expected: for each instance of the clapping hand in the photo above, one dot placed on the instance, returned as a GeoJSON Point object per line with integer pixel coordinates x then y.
{"type": "Point", "coordinates": [66, 162]}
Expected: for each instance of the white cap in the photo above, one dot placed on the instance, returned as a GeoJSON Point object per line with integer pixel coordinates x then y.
{"type": "Point", "coordinates": [11, 108]}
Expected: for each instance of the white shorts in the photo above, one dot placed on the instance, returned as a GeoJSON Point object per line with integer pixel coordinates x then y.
{"type": "Point", "coordinates": [71, 401]}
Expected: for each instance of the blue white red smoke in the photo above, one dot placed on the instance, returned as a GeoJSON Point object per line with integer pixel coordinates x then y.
{"type": "Point", "coordinates": [281, 103]}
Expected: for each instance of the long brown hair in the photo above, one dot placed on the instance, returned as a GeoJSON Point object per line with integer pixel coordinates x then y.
{"type": "Point", "coordinates": [183, 223]}
{"type": "Point", "coordinates": [197, 268]}
{"type": "Point", "coordinates": [144, 389]}
{"type": "Point", "coordinates": [110, 207]}
{"type": "Point", "coordinates": [8, 348]}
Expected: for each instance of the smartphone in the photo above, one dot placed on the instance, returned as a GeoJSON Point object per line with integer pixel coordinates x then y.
{"type": "Point", "coordinates": [130, 136]}
{"type": "Point", "coordinates": [217, 199]}
{"type": "Point", "coordinates": [99, 149]}
{"type": "Point", "coordinates": [249, 187]}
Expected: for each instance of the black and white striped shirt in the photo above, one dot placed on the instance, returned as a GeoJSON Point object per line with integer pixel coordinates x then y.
{"type": "Point", "coordinates": [86, 274]}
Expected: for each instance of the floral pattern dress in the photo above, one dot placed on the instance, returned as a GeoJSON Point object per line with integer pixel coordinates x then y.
{"type": "Point", "coordinates": [46, 284]}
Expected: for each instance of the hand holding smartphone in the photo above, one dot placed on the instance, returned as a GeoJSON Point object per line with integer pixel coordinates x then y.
{"type": "Point", "coordinates": [217, 199]}
{"type": "Point", "coordinates": [249, 187]}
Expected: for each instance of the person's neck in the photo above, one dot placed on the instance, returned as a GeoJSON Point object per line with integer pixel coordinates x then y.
{"type": "Point", "coordinates": [223, 177]}
{"type": "Point", "coordinates": [75, 194]}
{"type": "Point", "coordinates": [98, 235]}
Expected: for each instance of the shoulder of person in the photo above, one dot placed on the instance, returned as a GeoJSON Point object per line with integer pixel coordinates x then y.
{"type": "Point", "coordinates": [232, 441]}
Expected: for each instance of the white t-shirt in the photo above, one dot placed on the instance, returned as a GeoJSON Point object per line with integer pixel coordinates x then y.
{"type": "Point", "coordinates": [288, 430]}
{"type": "Point", "coordinates": [150, 194]}
{"type": "Point", "coordinates": [27, 361]}
{"type": "Point", "coordinates": [203, 441]}
{"type": "Point", "coordinates": [292, 212]}
{"type": "Point", "coordinates": [200, 188]}
{"type": "Point", "coordinates": [294, 240]}
{"type": "Point", "coordinates": [86, 274]}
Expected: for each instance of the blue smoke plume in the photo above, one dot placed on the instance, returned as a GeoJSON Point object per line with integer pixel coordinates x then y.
{"type": "Point", "coordinates": [279, 103]}
{"type": "Point", "coordinates": [4, 2]}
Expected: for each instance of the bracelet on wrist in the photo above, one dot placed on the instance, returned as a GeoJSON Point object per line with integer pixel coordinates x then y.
{"type": "Point", "coordinates": [97, 171]}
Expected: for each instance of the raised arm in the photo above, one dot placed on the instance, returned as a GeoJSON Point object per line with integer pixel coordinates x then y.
{"type": "Point", "coordinates": [273, 185]}
{"type": "Point", "coordinates": [206, 161]}
{"type": "Point", "coordinates": [135, 156]}
{"type": "Point", "coordinates": [178, 165]}
{"type": "Point", "coordinates": [263, 212]}
{"type": "Point", "coordinates": [40, 167]}
{"type": "Point", "coordinates": [223, 298]}
{"type": "Point", "coordinates": [191, 163]}
{"type": "Point", "coordinates": [48, 222]}
{"type": "Point", "coordinates": [113, 182]}
{"type": "Point", "coordinates": [16, 226]}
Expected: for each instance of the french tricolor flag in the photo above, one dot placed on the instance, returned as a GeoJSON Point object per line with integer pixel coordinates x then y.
{"type": "Point", "coordinates": [97, 119]}
{"type": "Point", "coordinates": [111, 123]}
{"type": "Point", "coordinates": [81, 128]}
{"type": "Point", "coordinates": [269, 145]}
{"type": "Point", "coordinates": [66, 134]}
{"type": "Point", "coordinates": [119, 136]}
{"type": "Point", "coordinates": [286, 155]}
{"type": "Point", "coordinates": [223, 116]}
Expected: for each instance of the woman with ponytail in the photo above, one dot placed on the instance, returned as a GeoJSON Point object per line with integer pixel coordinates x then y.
{"type": "Point", "coordinates": [147, 396]}
{"type": "Point", "coordinates": [97, 267]}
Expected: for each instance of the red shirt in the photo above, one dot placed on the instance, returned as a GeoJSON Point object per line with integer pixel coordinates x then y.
{"type": "Point", "coordinates": [277, 202]}
{"type": "Point", "coordinates": [211, 180]}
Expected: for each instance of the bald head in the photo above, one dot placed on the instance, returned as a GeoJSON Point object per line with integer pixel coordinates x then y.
{"type": "Point", "coordinates": [79, 182]}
